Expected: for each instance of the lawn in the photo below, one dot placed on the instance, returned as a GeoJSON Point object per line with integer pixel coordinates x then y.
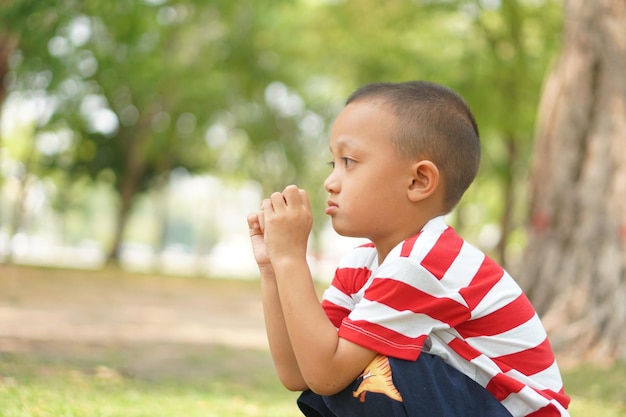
{"type": "Point", "coordinates": [226, 382]}
{"type": "Point", "coordinates": [89, 344]}
{"type": "Point", "coordinates": [220, 382]}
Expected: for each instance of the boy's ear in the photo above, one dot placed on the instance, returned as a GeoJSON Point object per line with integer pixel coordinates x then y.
{"type": "Point", "coordinates": [425, 180]}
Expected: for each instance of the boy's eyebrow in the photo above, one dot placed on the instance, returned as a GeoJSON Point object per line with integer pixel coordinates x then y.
{"type": "Point", "coordinates": [342, 143]}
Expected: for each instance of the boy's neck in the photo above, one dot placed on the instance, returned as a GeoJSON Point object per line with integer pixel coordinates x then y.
{"type": "Point", "coordinates": [384, 247]}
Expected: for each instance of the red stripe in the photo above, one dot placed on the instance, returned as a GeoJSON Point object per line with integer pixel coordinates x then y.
{"type": "Point", "coordinates": [501, 386]}
{"type": "Point", "coordinates": [529, 361]}
{"type": "Point", "coordinates": [512, 315]}
{"type": "Point", "coordinates": [443, 253]}
{"type": "Point", "coordinates": [381, 339]}
{"type": "Point", "coordinates": [560, 396]}
{"type": "Point", "coordinates": [464, 350]}
{"type": "Point", "coordinates": [487, 276]}
{"type": "Point", "coordinates": [350, 280]}
{"type": "Point", "coordinates": [407, 246]}
{"type": "Point", "coordinates": [403, 297]}
{"type": "Point", "coordinates": [563, 399]}
{"type": "Point", "coordinates": [335, 313]}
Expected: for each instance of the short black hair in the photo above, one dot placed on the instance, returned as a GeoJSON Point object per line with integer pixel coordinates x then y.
{"type": "Point", "coordinates": [434, 122]}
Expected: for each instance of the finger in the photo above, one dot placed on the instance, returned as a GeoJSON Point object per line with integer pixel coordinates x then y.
{"type": "Point", "coordinates": [292, 196]}
{"type": "Point", "coordinates": [261, 220]}
{"type": "Point", "coordinates": [254, 224]}
{"type": "Point", "coordinates": [304, 198]}
{"type": "Point", "coordinates": [278, 201]}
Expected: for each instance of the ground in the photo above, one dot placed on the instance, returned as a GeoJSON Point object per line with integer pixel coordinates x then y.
{"type": "Point", "coordinates": [189, 330]}
{"type": "Point", "coordinates": [151, 326]}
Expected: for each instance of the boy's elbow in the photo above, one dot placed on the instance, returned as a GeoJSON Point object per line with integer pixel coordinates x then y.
{"type": "Point", "coordinates": [321, 386]}
{"type": "Point", "coordinates": [325, 386]}
{"type": "Point", "coordinates": [293, 385]}
{"type": "Point", "coordinates": [292, 381]}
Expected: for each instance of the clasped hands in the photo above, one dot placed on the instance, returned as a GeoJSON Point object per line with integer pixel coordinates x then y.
{"type": "Point", "coordinates": [280, 231]}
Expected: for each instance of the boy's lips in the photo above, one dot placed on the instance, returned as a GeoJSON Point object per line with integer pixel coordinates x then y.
{"type": "Point", "coordinates": [331, 207]}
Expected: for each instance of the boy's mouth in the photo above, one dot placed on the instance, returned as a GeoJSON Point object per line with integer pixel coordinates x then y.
{"type": "Point", "coordinates": [331, 207]}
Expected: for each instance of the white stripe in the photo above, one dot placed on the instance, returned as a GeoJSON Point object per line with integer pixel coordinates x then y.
{"type": "Point", "coordinates": [501, 294]}
{"type": "Point", "coordinates": [338, 297]}
{"type": "Point", "coordinates": [486, 369]}
{"type": "Point", "coordinates": [464, 267]}
{"type": "Point", "coordinates": [408, 271]}
{"type": "Point", "coordinates": [524, 402]}
{"type": "Point", "coordinates": [427, 240]}
{"type": "Point", "coordinates": [404, 322]}
{"type": "Point", "coordinates": [525, 336]}
{"type": "Point", "coordinates": [549, 378]}
{"type": "Point", "coordinates": [481, 369]}
{"type": "Point", "coordinates": [359, 257]}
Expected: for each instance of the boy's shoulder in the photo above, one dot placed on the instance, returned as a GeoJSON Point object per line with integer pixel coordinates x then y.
{"type": "Point", "coordinates": [363, 255]}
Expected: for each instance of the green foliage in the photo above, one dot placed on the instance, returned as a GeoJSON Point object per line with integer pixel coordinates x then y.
{"type": "Point", "coordinates": [249, 89]}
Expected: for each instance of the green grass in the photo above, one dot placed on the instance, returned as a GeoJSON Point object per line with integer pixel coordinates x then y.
{"type": "Point", "coordinates": [49, 387]}
{"type": "Point", "coordinates": [226, 383]}
{"type": "Point", "coordinates": [67, 378]}
{"type": "Point", "coordinates": [598, 391]}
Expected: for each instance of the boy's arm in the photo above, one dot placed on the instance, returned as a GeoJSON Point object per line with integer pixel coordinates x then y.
{"type": "Point", "coordinates": [278, 339]}
{"type": "Point", "coordinates": [280, 346]}
{"type": "Point", "coordinates": [327, 362]}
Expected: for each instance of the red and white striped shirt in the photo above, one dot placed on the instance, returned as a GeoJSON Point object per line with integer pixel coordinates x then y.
{"type": "Point", "coordinates": [436, 293]}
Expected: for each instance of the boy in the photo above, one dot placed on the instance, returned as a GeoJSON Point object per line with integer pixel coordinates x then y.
{"type": "Point", "coordinates": [417, 323]}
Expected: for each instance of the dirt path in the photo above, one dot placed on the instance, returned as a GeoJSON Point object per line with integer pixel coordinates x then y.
{"type": "Point", "coordinates": [108, 307]}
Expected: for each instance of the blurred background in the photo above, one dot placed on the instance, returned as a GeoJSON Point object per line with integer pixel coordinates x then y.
{"type": "Point", "coordinates": [143, 132]}
{"type": "Point", "coordinates": [136, 135]}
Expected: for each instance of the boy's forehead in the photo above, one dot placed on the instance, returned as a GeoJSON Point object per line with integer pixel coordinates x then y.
{"type": "Point", "coordinates": [360, 120]}
{"type": "Point", "coordinates": [343, 142]}
{"type": "Point", "coordinates": [364, 112]}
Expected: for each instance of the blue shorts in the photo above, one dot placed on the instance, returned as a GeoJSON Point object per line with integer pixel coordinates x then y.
{"type": "Point", "coordinates": [427, 387]}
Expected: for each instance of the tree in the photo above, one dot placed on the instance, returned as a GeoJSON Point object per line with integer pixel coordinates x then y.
{"type": "Point", "coordinates": [23, 23]}
{"type": "Point", "coordinates": [575, 263]}
{"type": "Point", "coordinates": [138, 84]}
{"type": "Point", "coordinates": [493, 53]}
{"type": "Point", "coordinates": [262, 81]}
{"type": "Point", "coordinates": [503, 79]}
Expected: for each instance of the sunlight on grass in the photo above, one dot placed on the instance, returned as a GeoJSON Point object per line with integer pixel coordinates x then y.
{"type": "Point", "coordinates": [68, 377]}
{"type": "Point", "coordinates": [68, 392]}
{"type": "Point", "coordinates": [35, 388]}
{"type": "Point", "coordinates": [584, 407]}
{"type": "Point", "coordinates": [597, 391]}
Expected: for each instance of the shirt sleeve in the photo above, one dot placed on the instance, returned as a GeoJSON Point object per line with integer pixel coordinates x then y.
{"type": "Point", "coordinates": [351, 275]}
{"type": "Point", "coordinates": [402, 306]}
{"type": "Point", "coordinates": [339, 299]}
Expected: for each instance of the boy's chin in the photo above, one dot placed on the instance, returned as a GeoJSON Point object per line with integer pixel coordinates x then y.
{"type": "Point", "coordinates": [342, 231]}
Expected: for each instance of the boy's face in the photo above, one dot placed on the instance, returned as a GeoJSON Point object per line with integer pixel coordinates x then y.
{"type": "Point", "coordinates": [369, 181]}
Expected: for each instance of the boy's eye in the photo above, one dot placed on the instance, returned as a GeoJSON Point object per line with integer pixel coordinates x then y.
{"type": "Point", "coordinates": [346, 162]}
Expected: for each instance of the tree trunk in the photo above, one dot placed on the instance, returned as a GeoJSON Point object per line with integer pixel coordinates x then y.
{"type": "Point", "coordinates": [574, 267]}
{"type": "Point", "coordinates": [127, 187]}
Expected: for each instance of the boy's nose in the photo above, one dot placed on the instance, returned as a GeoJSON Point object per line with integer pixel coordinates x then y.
{"type": "Point", "coordinates": [330, 184]}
